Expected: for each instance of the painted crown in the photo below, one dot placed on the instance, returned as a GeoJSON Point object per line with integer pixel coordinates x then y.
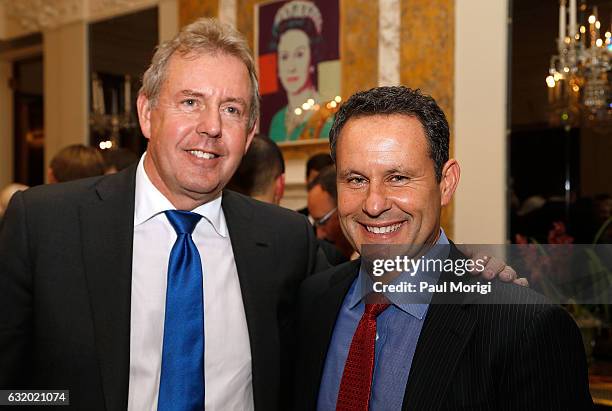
{"type": "Point", "coordinates": [299, 9]}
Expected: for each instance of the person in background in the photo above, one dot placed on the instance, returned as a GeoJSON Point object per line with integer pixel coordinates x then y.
{"type": "Point", "coordinates": [118, 159]}
{"type": "Point", "coordinates": [323, 206]}
{"type": "Point", "coordinates": [314, 165]}
{"type": "Point", "coordinates": [261, 174]}
{"type": "Point", "coordinates": [75, 162]}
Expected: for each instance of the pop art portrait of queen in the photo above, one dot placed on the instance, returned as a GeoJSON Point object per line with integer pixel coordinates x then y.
{"type": "Point", "coordinates": [299, 68]}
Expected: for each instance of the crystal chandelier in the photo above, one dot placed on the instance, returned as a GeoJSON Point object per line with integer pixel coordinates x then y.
{"type": "Point", "coordinates": [579, 76]}
{"type": "Point", "coordinates": [110, 124]}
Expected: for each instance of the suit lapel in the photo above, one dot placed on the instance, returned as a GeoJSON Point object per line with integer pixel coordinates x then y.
{"type": "Point", "coordinates": [253, 253]}
{"type": "Point", "coordinates": [445, 334]}
{"type": "Point", "coordinates": [107, 227]}
{"type": "Point", "coordinates": [320, 325]}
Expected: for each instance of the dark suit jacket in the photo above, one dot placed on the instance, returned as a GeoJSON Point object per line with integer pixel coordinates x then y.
{"type": "Point", "coordinates": [527, 356]}
{"type": "Point", "coordinates": [65, 286]}
{"type": "Point", "coordinates": [332, 254]}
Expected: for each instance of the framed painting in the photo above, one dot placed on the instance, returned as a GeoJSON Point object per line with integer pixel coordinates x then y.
{"type": "Point", "coordinates": [298, 57]}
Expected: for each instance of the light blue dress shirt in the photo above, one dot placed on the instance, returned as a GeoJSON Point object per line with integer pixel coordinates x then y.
{"type": "Point", "coordinates": [397, 333]}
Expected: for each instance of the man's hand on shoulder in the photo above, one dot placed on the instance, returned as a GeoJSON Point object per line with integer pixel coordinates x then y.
{"type": "Point", "coordinates": [494, 267]}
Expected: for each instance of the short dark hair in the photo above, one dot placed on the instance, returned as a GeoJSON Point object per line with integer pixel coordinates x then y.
{"type": "Point", "coordinates": [398, 100]}
{"type": "Point", "coordinates": [260, 166]}
{"type": "Point", "coordinates": [77, 161]}
{"type": "Point", "coordinates": [327, 180]}
{"type": "Point", "coordinates": [318, 162]}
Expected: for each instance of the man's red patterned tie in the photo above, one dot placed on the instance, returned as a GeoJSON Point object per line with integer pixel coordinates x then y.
{"type": "Point", "coordinates": [356, 383]}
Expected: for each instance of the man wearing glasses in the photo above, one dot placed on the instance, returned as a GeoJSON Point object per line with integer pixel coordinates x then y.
{"type": "Point", "coordinates": [322, 204]}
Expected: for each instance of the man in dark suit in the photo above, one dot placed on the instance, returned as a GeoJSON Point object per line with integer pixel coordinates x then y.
{"type": "Point", "coordinates": [361, 350]}
{"type": "Point", "coordinates": [84, 266]}
{"type": "Point", "coordinates": [261, 174]}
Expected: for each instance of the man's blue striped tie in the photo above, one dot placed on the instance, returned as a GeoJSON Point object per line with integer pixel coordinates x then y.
{"type": "Point", "coordinates": [181, 385]}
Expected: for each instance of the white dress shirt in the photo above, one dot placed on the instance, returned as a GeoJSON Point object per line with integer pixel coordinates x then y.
{"type": "Point", "coordinates": [227, 356]}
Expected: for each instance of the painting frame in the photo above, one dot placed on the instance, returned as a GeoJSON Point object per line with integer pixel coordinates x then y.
{"type": "Point", "coordinates": [297, 51]}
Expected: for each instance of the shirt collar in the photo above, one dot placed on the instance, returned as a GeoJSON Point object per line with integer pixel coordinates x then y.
{"type": "Point", "coordinates": [149, 202]}
{"type": "Point", "coordinates": [416, 310]}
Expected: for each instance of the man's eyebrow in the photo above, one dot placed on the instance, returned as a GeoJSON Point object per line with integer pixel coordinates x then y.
{"type": "Point", "coordinates": [393, 170]}
{"type": "Point", "coordinates": [191, 93]}
{"type": "Point", "coordinates": [238, 100]}
{"type": "Point", "coordinates": [400, 170]}
{"type": "Point", "coordinates": [341, 174]}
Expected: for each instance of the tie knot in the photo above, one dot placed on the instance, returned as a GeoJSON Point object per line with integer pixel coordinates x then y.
{"type": "Point", "coordinates": [374, 310]}
{"type": "Point", "coordinates": [183, 222]}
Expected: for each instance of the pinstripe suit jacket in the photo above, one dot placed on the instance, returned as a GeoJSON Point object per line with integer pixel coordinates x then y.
{"type": "Point", "coordinates": [527, 356]}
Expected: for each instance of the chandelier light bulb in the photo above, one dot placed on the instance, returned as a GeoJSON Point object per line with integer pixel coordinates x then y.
{"type": "Point", "coordinates": [582, 63]}
{"type": "Point", "coordinates": [298, 111]}
{"type": "Point", "coordinates": [105, 145]}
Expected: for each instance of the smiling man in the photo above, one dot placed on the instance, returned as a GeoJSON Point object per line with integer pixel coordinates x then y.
{"type": "Point", "coordinates": [153, 288]}
{"type": "Point", "coordinates": [359, 350]}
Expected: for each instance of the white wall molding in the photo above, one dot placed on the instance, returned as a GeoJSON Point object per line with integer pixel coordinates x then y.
{"type": "Point", "coordinates": [480, 120]}
{"type": "Point", "coordinates": [389, 21]}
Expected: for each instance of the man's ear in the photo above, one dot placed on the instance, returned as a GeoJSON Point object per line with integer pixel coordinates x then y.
{"type": "Point", "coordinates": [279, 188]}
{"type": "Point", "coordinates": [51, 176]}
{"type": "Point", "coordinates": [143, 104]}
{"type": "Point", "coordinates": [450, 179]}
{"type": "Point", "coordinates": [250, 136]}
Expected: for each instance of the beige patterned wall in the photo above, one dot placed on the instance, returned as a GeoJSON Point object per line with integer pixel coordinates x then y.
{"type": "Point", "coordinates": [189, 10]}
{"type": "Point", "coordinates": [427, 48]}
{"type": "Point", "coordinates": [427, 59]}
{"type": "Point", "coordinates": [358, 45]}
